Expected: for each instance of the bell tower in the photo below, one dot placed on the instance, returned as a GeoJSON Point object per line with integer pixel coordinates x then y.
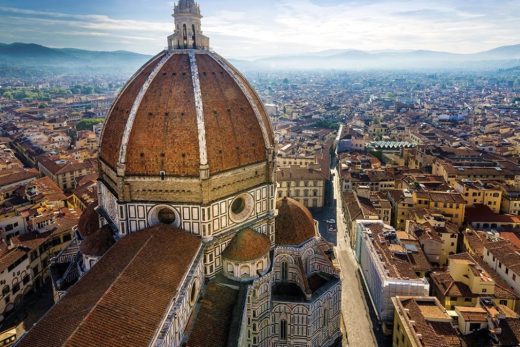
{"type": "Point", "coordinates": [188, 32]}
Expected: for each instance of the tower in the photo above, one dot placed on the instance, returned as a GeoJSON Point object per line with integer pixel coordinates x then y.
{"type": "Point", "coordinates": [188, 33]}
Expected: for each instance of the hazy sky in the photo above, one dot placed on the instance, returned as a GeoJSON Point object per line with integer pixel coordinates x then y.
{"type": "Point", "coordinates": [246, 28]}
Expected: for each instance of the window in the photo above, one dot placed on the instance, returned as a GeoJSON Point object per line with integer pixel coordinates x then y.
{"type": "Point", "coordinates": [26, 279]}
{"type": "Point", "coordinates": [166, 216]}
{"type": "Point", "coordinates": [284, 271]}
{"type": "Point", "coordinates": [193, 294]}
{"type": "Point", "coordinates": [503, 302]}
{"type": "Point", "coordinates": [238, 205]}
{"type": "Point", "coordinates": [16, 288]}
{"type": "Point", "coordinates": [474, 326]}
{"type": "Point", "coordinates": [283, 329]}
{"type": "Point", "coordinates": [5, 290]}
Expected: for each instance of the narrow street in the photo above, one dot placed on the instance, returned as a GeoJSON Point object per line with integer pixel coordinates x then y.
{"type": "Point", "coordinates": [354, 306]}
{"type": "Point", "coordinates": [358, 318]}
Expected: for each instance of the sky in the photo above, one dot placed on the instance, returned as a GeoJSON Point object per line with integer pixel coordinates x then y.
{"type": "Point", "coordinates": [248, 29]}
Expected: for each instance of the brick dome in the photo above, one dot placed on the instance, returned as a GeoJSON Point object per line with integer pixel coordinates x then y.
{"type": "Point", "coordinates": [294, 223]}
{"type": "Point", "coordinates": [184, 112]}
{"type": "Point", "coordinates": [89, 221]}
{"type": "Point", "coordinates": [247, 245]}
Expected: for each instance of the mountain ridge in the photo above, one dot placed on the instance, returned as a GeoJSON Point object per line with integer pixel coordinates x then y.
{"type": "Point", "coordinates": [32, 55]}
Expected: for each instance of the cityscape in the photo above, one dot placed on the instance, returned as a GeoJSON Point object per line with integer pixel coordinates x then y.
{"type": "Point", "coordinates": [337, 197]}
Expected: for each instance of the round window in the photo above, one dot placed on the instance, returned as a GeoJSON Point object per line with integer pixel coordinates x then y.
{"type": "Point", "coordinates": [166, 216]}
{"type": "Point", "coordinates": [238, 205]}
{"type": "Point", "coordinates": [241, 208]}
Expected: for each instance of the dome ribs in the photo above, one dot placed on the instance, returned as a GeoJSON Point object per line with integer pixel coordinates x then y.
{"type": "Point", "coordinates": [181, 112]}
{"type": "Point", "coordinates": [169, 134]}
{"type": "Point", "coordinates": [118, 115]}
{"type": "Point", "coordinates": [230, 121]}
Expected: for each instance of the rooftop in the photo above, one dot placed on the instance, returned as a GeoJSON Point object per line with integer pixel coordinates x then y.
{"type": "Point", "coordinates": [128, 273]}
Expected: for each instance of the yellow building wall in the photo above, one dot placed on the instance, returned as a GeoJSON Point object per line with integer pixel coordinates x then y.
{"type": "Point", "coordinates": [401, 336]}
{"type": "Point", "coordinates": [449, 247]}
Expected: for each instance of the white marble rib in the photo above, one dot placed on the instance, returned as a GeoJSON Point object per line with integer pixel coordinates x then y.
{"type": "Point", "coordinates": [151, 61]}
{"type": "Point", "coordinates": [135, 107]}
{"type": "Point", "coordinates": [199, 109]}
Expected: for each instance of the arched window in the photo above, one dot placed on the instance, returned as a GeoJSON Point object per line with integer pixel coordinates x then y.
{"type": "Point", "coordinates": [285, 274]}
{"type": "Point", "coordinates": [193, 294]}
{"type": "Point", "coordinates": [283, 329]}
{"type": "Point", "coordinates": [185, 35]}
{"type": "Point", "coordinates": [325, 316]}
{"type": "Point", "coordinates": [194, 38]}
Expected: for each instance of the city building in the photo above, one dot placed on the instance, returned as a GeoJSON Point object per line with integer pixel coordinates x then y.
{"type": "Point", "coordinates": [186, 244]}
{"type": "Point", "coordinates": [438, 237]}
{"type": "Point", "coordinates": [466, 280]}
{"type": "Point", "coordinates": [504, 258]}
{"type": "Point", "coordinates": [480, 193]}
{"type": "Point", "coordinates": [389, 266]}
{"type": "Point", "coordinates": [451, 205]}
{"type": "Point", "coordinates": [423, 322]}
{"type": "Point", "coordinates": [65, 173]}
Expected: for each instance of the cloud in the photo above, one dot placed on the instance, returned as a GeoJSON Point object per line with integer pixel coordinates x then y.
{"type": "Point", "coordinates": [253, 29]}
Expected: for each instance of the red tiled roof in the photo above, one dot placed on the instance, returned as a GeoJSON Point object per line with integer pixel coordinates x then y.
{"type": "Point", "coordinates": [89, 220]}
{"type": "Point", "coordinates": [247, 245]}
{"type": "Point", "coordinates": [97, 243]}
{"type": "Point", "coordinates": [213, 321]}
{"type": "Point", "coordinates": [123, 299]}
{"type": "Point", "coordinates": [294, 223]}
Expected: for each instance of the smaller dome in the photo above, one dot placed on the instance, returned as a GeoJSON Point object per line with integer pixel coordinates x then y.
{"type": "Point", "coordinates": [247, 245]}
{"type": "Point", "coordinates": [294, 223]}
{"type": "Point", "coordinates": [89, 221]}
{"type": "Point", "coordinates": [97, 243]}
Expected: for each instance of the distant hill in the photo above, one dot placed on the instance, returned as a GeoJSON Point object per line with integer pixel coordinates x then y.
{"type": "Point", "coordinates": [68, 60]}
{"type": "Point", "coordinates": [29, 58]}
{"type": "Point", "coordinates": [498, 58]}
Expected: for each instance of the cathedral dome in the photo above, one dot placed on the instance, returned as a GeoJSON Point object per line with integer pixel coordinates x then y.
{"type": "Point", "coordinates": [185, 113]}
{"type": "Point", "coordinates": [98, 242]}
{"type": "Point", "coordinates": [294, 223]}
{"type": "Point", "coordinates": [247, 245]}
{"type": "Point", "coordinates": [89, 221]}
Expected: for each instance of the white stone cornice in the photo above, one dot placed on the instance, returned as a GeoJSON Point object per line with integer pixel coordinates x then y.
{"type": "Point", "coordinates": [135, 107]}
{"type": "Point", "coordinates": [199, 109]}
{"type": "Point", "coordinates": [245, 89]}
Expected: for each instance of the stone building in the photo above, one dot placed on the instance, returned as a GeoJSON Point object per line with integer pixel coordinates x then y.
{"type": "Point", "coordinates": [186, 245]}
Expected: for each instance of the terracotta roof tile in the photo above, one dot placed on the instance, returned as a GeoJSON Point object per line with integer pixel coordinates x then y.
{"type": "Point", "coordinates": [247, 245]}
{"type": "Point", "coordinates": [122, 300]}
{"type": "Point", "coordinates": [294, 223]}
{"type": "Point", "coordinates": [89, 220]}
{"type": "Point", "coordinates": [97, 243]}
{"type": "Point", "coordinates": [165, 135]}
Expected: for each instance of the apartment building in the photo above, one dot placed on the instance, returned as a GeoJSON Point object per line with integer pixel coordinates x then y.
{"type": "Point", "coordinates": [389, 266]}
{"type": "Point", "coordinates": [479, 193]}
{"type": "Point", "coordinates": [466, 280]}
